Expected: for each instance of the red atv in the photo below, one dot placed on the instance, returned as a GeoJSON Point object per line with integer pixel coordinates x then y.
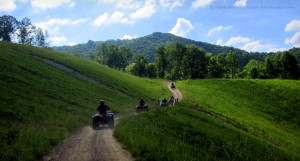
{"type": "Point", "coordinates": [103, 119]}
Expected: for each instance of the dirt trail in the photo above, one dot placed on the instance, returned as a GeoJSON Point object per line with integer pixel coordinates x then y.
{"type": "Point", "coordinates": [176, 93]}
{"type": "Point", "coordinates": [90, 145]}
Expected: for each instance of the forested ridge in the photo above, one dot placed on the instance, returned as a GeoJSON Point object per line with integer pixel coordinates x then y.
{"type": "Point", "coordinates": [146, 45]}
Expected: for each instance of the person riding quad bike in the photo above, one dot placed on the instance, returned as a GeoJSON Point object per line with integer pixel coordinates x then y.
{"type": "Point", "coordinates": [141, 106]}
{"type": "Point", "coordinates": [173, 85]}
{"type": "Point", "coordinates": [164, 102]}
{"type": "Point", "coordinates": [102, 108]}
{"type": "Point", "coordinates": [103, 118]}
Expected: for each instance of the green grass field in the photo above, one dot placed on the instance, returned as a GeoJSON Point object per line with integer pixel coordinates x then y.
{"type": "Point", "coordinates": [266, 108]}
{"type": "Point", "coordinates": [41, 105]}
{"type": "Point", "coordinates": [180, 133]}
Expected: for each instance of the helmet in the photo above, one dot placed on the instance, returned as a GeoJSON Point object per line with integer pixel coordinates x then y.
{"type": "Point", "coordinates": [101, 101]}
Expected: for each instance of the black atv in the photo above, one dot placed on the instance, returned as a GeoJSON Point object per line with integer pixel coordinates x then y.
{"type": "Point", "coordinates": [103, 119]}
{"type": "Point", "coordinates": [142, 108]}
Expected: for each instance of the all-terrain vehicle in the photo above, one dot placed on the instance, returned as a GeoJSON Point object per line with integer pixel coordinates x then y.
{"type": "Point", "coordinates": [173, 86]}
{"type": "Point", "coordinates": [103, 119]}
{"type": "Point", "coordinates": [142, 108]}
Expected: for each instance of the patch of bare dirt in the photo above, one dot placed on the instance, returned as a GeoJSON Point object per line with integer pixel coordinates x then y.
{"type": "Point", "coordinates": [90, 145]}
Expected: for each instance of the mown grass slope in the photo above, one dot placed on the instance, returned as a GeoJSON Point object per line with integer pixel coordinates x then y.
{"type": "Point", "coordinates": [269, 109]}
{"type": "Point", "coordinates": [41, 105]}
{"type": "Point", "coordinates": [181, 133]}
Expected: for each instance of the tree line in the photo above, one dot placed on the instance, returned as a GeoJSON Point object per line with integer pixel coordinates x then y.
{"type": "Point", "coordinates": [24, 31]}
{"type": "Point", "coordinates": [175, 60]}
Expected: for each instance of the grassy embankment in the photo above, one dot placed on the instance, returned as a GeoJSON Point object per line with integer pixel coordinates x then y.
{"type": "Point", "coordinates": [266, 108]}
{"type": "Point", "coordinates": [41, 105]}
{"type": "Point", "coordinates": [269, 109]}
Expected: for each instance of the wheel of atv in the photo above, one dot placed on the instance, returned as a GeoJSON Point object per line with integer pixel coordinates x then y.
{"type": "Point", "coordinates": [95, 125]}
{"type": "Point", "coordinates": [111, 123]}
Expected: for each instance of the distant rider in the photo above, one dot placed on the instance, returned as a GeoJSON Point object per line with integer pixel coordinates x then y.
{"type": "Point", "coordinates": [102, 108]}
{"type": "Point", "coordinates": [172, 85]}
{"type": "Point", "coordinates": [164, 101]}
{"type": "Point", "coordinates": [172, 97]}
{"type": "Point", "coordinates": [142, 102]}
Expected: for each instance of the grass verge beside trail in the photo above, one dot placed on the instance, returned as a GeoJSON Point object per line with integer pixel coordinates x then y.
{"type": "Point", "coordinates": [41, 105]}
{"type": "Point", "coordinates": [266, 108]}
{"type": "Point", "coordinates": [180, 133]}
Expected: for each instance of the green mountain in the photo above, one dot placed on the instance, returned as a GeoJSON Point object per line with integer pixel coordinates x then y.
{"type": "Point", "coordinates": [147, 45]}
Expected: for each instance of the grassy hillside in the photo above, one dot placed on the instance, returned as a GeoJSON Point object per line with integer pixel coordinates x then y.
{"type": "Point", "coordinates": [41, 105]}
{"type": "Point", "coordinates": [266, 108]}
{"type": "Point", "coordinates": [180, 133]}
{"type": "Point", "coordinates": [266, 113]}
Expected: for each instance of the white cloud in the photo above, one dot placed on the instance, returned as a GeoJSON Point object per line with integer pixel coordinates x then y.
{"type": "Point", "coordinates": [255, 46]}
{"type": "Point", "coordinates": [274, 50]}
{"type": "Point", "coordinates": [58, 40]}
{"type": "Point", "coordinates": [128, 37]}
{"type": "Point", "coordinates": [116, 17]}
{"type": "Point", "coordinates": [240, 3]}
{"type": "Point", "coordinates": [201, 3]}
{"type": "Point", "coordinates": [293, 25]}
{"type": "Point", "coordinates": [219, 28]}
{"type": "Point", "coordinates": [297, 46]}
{"type": "Point", "coordinates": [146, 11]}
{"type": "Point", "coordinates": [46, 4]}
{"type": "Point", "coordinates": [294, 39]}
{"type": "Point", "coordinates": [71, 44]}
{"type": "Point", "coordinates": [237, 40]}
{"type": "Point", "coordinates": [123, 4]}
{"type": "Point", "coordinates": [219, 42]}
{"type": "Point", "coordinates": [52, 24]}
{"type": "Point", "coordinates": [7, 5]}
{"type": "Point", "coordinates": [171, 3]}
{"type": "Point", "coordinates": [182, 27]}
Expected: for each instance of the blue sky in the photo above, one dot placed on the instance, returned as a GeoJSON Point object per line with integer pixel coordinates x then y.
{"type": "Point", "coordinates": [252, 25]}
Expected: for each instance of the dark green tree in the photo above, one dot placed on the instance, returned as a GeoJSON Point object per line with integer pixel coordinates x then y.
{"type": "Point", "coordinates": [195, 62]}
{"type": "Point", "coordinates": [151, 70]}
{"type": "Point", "coordinates": [270, 70]}
{"type": "Point", "coordinates": [254, 69]}
{"type": "Point", "coordinates": [8, 25]}
{"type": "Point", "coordinates": [217, 66]}
{"type": "Point", "coordinates": [231, 64]}
{"type": "Point", "coordinates": [139, 67]}
{"type": "Point", "coordinates": [289, 69]}
{"type": "Point", "coordinates": [113, 56]}
{"type": "Point", "coordinates": [161, 61]}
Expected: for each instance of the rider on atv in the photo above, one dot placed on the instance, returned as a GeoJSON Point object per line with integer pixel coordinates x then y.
{"type": "Point", "coordinates": [173, 85]}
{"type": "Point", "coordinates": [102, 108]}
{"type": "Point", "coordinates": [142, 102]}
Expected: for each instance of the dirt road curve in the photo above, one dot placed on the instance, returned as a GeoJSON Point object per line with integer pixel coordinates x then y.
{"type": "Point", "coordinates": [90, 145]}
{"type": "Point", "coordinates": [176, 93]}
